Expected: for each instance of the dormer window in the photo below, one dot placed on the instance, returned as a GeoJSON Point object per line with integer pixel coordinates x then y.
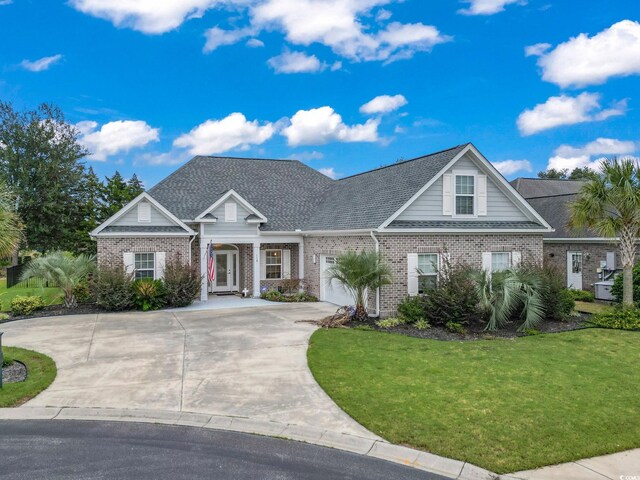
{"type": "Point", "coordinates": [465, 195]}
{"type": "Point", "coordinates": [230, 212]}
{"type": "Point", "coordinates": [144, 212]}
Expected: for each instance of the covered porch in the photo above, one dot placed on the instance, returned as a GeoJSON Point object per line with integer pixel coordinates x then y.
{"type": "Point", "coordinates": [248, 266]}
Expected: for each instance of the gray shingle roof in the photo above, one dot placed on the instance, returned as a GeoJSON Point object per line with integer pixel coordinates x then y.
{"type": "Point", "coordinates": [285, 191]}
{"type": "Point", "coordinates": [143, 229]}
{"type": "Point", "coordinates": [475, 224]}
{"type": "Point", "coordinates": [551, 199]}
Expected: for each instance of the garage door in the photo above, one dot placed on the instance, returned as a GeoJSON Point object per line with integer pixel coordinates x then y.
{"type": "Point", "coordinates": [334, 291]}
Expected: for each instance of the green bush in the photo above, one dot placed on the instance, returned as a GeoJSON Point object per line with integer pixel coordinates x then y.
{"type": "Point", "coordinates": [455, 327]}
{"type": "Point", "coordinates": [22, 305]}
{"type": "Point", "coordinates": [616, 289]}
{"type": "Point", "coordinates": [148, 294]}
{"type": "Point", "coordinates": [273, 296]}
{"type": "Point", "coordinates": [303, 297]}
{"type": "Point", "coordinates": [618, 318]}
{"type": "Point", "coordinates": [182, 284]}
{"type": "Point", "coordinates": [391, 322]}
{"type": "Point", "coordinates": [113, 289]}
{"type": "Point", "coordinates": [3, 316]}
{"type": "Point", "coordinates": [411, 309]}
{"type": "Point", "coordinates": [558, 301]}
{"type": "Point", "coordinates": [83, 293]}
{"type": "Point", "coordinates": [581, 295]}
{"type": "Point", "coordinates": [421, 324]}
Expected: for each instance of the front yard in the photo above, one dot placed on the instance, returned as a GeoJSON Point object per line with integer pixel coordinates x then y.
{"type": "Point", "coordinates": [50, 295]}
{"type": "Point", "coordinates": [41, 372]}
{"type": "Point", "coordinates": [505, 405]}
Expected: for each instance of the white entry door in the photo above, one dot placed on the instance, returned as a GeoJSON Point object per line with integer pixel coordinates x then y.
{"type": "Point", "coordinates": [226, 272]}
{"type": "Point", "coordinates": [574, 270]}
{"type": "Point", "coordinates": [334, 291]}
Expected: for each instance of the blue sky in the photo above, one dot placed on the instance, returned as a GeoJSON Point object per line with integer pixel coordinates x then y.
{"type": "Point", "coordinates": [150, 83]}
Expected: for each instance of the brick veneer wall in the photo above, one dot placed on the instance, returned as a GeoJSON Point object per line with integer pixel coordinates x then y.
{"type": "Point", "coordinates": [555, 255]}
{"type": "Point", "coordinates": [394, 249]}
{"type": "Point", "coordinates": [273, 284]}
{"type": "Point", "coordinates": [111, 250]}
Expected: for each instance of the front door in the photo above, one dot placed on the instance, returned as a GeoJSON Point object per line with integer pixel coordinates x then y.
{"type": "Point", "coordinates": [225, 277]}
{"type": "Point", "coordinates": [574, 270]}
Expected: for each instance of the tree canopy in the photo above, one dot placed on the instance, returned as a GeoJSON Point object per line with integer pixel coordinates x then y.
{"type": "Point", "coordinates": [578, 173]}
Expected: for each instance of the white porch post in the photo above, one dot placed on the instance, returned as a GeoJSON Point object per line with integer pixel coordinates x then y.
{"type": "Point", "coordinates": [301, 263]}
{"type": "Point", "coordinates": [256, 269]}
{"type": "Point", "coordinates": [204, 293]}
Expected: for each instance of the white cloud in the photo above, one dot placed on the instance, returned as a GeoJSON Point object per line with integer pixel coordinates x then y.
{"type": "Point", "coordinates": [337, 24]}
{"type": "Point", "coordinates": [383, 15]}
{"type": "Point", "coordinates": [147, 16]}
{"type": "Point", "coordinates": [584, 60]}
{"type": "Point", "coordinates": [509, 167]}
{"type": "Point", "coordinates": [296, 62]}
{"type": "Point", "coordinates": [115, 137]}
{"type": "Point", "coordinates": [255, 43]}
{"type": "Point", "coordinates": [487, 7]}
{"type": "Point", "coordinates": [383, 104]}
{"type": "Point", "coordinates": [322, 125]}
{"type": "Point", "coordinates": [40, 64]}
{"type": "Point", "coordinates": [536, 50]}
{"type": "Point", "coordinates": [329, 172]}
{"type": "Point", "coordinates": [217, 37]}
{"type": "Point", "coordinates": [566, 156]}
{"type": "Point", "coordinates": [566, 110]}
{"type": "Point", "coordinates": [217, 136]}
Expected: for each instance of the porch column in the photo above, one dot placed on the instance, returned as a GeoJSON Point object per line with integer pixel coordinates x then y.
{"type": "Point", "coordinates": [204, 294]}
{"type": "Point", "coordinates": [256, 269]}
{"type": "Point", "coordinates": [301, 264]}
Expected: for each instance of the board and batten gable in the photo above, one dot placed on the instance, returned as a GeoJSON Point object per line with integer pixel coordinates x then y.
{"type": "Point", "coordinates": [239, 227]}
{"type": "Point", "coordinates": [156, 217]}
{"type": "Point", "coordinates": [429, 205]}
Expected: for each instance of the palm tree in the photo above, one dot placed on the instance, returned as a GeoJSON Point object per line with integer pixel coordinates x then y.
{"type": "Point", "coordinates": [359, 273]}
{"type": "Point", "coordinates": [10, 225]}
{"type": "Point", "coordinates": [64, 269]}
{"type": "Point", "coordinates": [610, 205]}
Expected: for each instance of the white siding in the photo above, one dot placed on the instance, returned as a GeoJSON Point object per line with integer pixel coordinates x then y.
{"type": "Point", "coordinates": [158, 219]}
{"type": "Point", "coordinates": [429, 205]}
{"type": "Point", "coordinates": [241, 227]}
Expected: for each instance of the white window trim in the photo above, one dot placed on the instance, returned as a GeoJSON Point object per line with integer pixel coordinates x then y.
{"type": "Point", "coordinates": [435, 274]}
{"type": "Point", "coordinates": [464, 173]}
{"type": "Point", "coordinates": [141, 218]}
{"type": "Point", "coordinates": [230, 207]}
{"type": "Point", "coordinates": [144, 269]}
{"type": "Point", "coordinates": [266, 254]}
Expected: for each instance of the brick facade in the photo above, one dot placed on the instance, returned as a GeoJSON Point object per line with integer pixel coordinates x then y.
{"type": "Point", "coordinates": [110, 250]}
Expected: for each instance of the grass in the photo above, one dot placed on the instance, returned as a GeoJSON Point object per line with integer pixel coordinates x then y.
{"type": "Point", "coordinates": [41, 372]}
{"type": "Point", "coordinates": [51, 295]}
{"type": "Point", "coordinates": [591, 307]}
{"type": "Point", "coordinates": [505, 405]}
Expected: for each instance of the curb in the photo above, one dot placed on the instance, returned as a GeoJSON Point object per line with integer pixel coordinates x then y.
{"type": "Point", "coordinates": [374, 448]}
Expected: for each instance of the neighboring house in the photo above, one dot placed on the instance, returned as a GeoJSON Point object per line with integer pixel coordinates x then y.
{"type": "Point", "coordinates": [583, 258]}
{"type": "Point", "coordinates": [273, 220]}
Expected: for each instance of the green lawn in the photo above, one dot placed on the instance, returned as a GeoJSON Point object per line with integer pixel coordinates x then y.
{"type": "Point", "coordinates": [505, 405]}
{"type": "Point", "coordinates": [591, 307]}
{"type": "Point", "coordinates": [41, 372]}
{"type": "Point", "coordinates": [51, 295]}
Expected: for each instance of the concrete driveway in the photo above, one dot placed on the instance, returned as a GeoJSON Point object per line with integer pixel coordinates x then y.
{"type": "Point", "coordinates": [240, 362]}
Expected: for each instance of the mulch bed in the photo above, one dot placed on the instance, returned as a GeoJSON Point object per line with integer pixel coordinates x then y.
{"type": "Point", "coordinates": [56, 310]}
{"type": "Point", "coordinates": [14, 373]}
{"type": "Point", "coordinates": [474, 331]}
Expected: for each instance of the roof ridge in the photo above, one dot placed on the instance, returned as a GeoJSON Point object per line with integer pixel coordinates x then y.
{"type": "Point", "coordinates": [405, 161]}
{"type": "Point", "coordinates": [252, 158]}
{"type": "Point", "coordinates": [549, 179]}
{"type": "Point", "coordinates": [552, 196]}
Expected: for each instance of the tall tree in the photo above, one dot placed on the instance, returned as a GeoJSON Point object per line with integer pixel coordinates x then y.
{"type": "Point", "coordinates": [40, 159]}
{"type": "Point", "coordinates": [10, 225]}
{"type": "Point", "coordinates": [610, 205]}
{"type": "Point", "coordinates": [117, 192]}
{"type": "Point", "coordinates": [578, 173]}
{"type": "Point", "coordinates": [91, 192]}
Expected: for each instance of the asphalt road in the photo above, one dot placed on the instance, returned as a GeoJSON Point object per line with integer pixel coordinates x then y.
{"type": "Point", "coordinates": [95, 450]}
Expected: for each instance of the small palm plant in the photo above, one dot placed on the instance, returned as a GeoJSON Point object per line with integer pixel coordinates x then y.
{"type": "Point", "coordinates": [503, 293]}
{"type": "Point", "coordinates": [610, 205]}
{"type": "Point", "coordinates": [10, 225]}
{"type": "Point", "coordinates": [359, 273]}
{"type": "Point", "coordinates": [63, 269]}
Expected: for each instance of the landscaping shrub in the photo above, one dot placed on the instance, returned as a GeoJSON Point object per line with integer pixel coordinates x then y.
{"type": "Point", "coordinates": [455, 327]}
{"type": "Point", "coordinates": [304, 297]}
{"type": "Point", "coordinates": [148, 294]}
{"type": "Point", "coordinates": [421, 324]}
{"type": "Point", "coordinates": [3, 316]}
{"type": "Point", "coordinates": [558, 301]}
{"type": "Point", "coordinates": [273, 296]}
{"type": "Point", "coordinates": [581, 295]}
{"type": "Point", "coordinates": [22, 305]}
{"type": "Point", "coordinates": [617, 318]}
{"type": "Point", "coordinates": [277, 296]}
{"type": "Point", "coordinates": [113, 289]}
{"type": "Point", "coordinates": [182, 284]}
{"type": "Point", "coordinates": [290, 285]}
{"type": "Point", "coordinates": [616, 289]}
{"type": "Point", "coordinates": [391, 322]}
{"type": "Point", "coordinates": [411, 309]}
{"type": "Point", "coordinates": [83, 293]}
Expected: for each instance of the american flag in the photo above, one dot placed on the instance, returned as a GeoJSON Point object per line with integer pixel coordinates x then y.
{"type": "Point", "coordinates": [211, 268]}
